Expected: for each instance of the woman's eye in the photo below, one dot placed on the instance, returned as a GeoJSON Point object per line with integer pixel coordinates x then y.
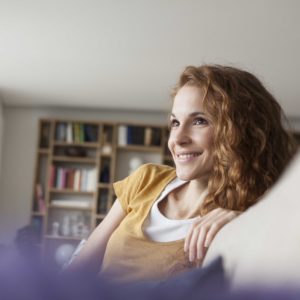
{"type": "Point", "coordinates": [173, 123]}
{"type": "Point", "coordinates": [200, 121]}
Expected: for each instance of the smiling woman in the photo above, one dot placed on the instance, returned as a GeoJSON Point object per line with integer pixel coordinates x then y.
{"type": "Point", "coordinates": [229, 147]}
{"type": "Point", "coordinates": [191, 136]}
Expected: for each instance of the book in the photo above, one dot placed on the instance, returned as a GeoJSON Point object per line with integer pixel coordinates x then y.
{"type": "Point", "coordinates": [91, 180]}
{"type": "Point", "coordinates": [52, 177]}
{"type": "Point", "coordinates": [135, 135]}
{"type": "Point", "coordinates": [61, 132]}
{"type": "Point", "coordinates": [148, 135]}
{"type": "Point", "coordinates": [156, 137]}
{"type": "Point", "coordinates": [90, 133]}
{"type": "Point", "coordinates": [69, 133]}
{"type": "Point", "coordinates": [122, 135]}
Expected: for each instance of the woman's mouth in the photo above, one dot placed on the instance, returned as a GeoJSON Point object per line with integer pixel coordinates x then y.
{"type": "Point", "coordinates": [183, 157]}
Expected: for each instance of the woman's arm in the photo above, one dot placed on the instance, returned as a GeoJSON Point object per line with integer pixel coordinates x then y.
{"type": "Point", "coordinates": [90, 257]}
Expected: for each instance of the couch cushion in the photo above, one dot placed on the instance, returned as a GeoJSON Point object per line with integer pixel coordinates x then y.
{"type": "Point", "coordinates": [262, 246]}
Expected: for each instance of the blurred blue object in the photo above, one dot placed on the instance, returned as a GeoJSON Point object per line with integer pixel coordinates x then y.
{"type": "Point", "coordinates": [22, 279]}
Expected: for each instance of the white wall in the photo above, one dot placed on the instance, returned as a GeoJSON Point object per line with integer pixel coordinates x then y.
{"type": "Point", "coordinates": [19, 148]}
{"type": "Point", "coordinates": [295, 123]}
{"type": "Point", "coordinates": [1, 132]}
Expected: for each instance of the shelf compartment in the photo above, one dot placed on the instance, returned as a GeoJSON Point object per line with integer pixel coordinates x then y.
{"type": "Point", "coordinates": [103, 202]}
{"type": "Point", "coordinates": [76, 132]}
{"type": "Point", "coordinates": [44, 134]}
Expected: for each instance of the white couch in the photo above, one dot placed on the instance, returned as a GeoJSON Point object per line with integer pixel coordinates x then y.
{"type": "Point", "coordinates": [262, 246]}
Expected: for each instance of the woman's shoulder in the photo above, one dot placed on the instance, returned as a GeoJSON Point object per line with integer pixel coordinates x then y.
{"type": "Point", "coordinates": [152, 170]}
{"type": "Point", "coordinates": [150, 174]}
{"type": "Point", "coordinates": [157, 168]}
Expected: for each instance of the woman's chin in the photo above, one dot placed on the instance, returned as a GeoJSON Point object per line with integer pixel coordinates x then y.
{"type": "Point", "coordinates": [185, 176]}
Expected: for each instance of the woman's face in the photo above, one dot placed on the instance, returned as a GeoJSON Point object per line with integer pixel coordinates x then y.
{"type": "Point", "coordinates": [191, 135]}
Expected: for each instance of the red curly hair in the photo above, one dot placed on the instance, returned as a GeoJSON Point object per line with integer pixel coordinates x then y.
{"type": "Point", "coordinates": [251, 145]}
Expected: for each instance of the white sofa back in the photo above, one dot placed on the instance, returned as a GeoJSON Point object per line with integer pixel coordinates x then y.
{"type": "Point", "coordinates": [262, 246]}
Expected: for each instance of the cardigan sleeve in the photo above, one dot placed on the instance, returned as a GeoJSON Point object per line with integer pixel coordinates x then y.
{"type": "Point", "coordinates": [127, 188]}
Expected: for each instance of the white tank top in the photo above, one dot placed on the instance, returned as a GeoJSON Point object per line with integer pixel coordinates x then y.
{"type": "Point", "coordinates": [159, 228]}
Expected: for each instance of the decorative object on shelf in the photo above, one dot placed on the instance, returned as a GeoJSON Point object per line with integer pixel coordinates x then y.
{"type": "Point", "coordinates": [134, 163]}
{"type": "Point", "coordinates": [107, 149]}
{"type": "Point", "coordinates": [55, 229]}
{"type": "Point", "coordinates": [75, 152]}
{"type": "Point", "coordinates": [64, 253]}
{"type": "Point", "coordinates": [66, 226]}
{"type": "Point", "coordinates": [78, 228]}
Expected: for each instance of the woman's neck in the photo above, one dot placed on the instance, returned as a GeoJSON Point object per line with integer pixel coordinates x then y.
{"type": "Point", "coordinates": [185, 201]}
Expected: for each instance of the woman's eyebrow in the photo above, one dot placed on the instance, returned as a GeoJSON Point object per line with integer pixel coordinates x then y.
{"type": "Point", "coordinates": [193, 114]}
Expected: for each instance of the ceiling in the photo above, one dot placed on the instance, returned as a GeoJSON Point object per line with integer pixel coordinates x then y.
{"type": "Point", "coordinates": [128, 54]}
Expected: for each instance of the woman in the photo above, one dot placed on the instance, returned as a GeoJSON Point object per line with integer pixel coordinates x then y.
{"type": "Point", "coordinates": [229, 147]}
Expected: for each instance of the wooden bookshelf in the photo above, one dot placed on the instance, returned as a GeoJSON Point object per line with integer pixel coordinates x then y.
{"type": "Point", "coordinates": [96, 153]}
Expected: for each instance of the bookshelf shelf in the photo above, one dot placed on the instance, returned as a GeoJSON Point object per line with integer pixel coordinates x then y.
{"type": "Point", "coordinates": [69, 191]}
{"type": "Point", "coordinates": [76, 163]}
{"type": "Point", "coordinates": [79, 144]}
{"type": "Point", "coordinates": [54, 206]}
{"type": "Point", "coordinates": [74, 159]}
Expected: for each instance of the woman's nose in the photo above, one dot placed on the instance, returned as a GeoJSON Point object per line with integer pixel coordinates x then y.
{"type": "Point", "coordinates": [181, 136]}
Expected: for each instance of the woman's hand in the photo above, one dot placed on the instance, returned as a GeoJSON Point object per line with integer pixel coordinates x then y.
{"type": "Point", "coordinates": [204, 230]}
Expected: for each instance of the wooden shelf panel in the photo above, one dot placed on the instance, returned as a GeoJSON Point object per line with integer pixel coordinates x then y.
{"type": "Point", "coordinates": [74, 159]}
{"type": "Point", "coordinates": [69, 207]}
{"type": "Point", "coordinates": [140, 148]}
{"type": "Point", "coordinates": [69, 191]}
{"type": "Point", "coordinates": [43, 151]}
{"type": "Point", "coordinates": [78, 144]}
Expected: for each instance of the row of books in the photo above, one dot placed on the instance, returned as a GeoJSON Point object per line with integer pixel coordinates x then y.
{"type": "Point", "coordinates": [75, 179]}
{"type": "Point", "coordinates": [137, 135]}
{"type": "Point", "coordinates": [76, 132]}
